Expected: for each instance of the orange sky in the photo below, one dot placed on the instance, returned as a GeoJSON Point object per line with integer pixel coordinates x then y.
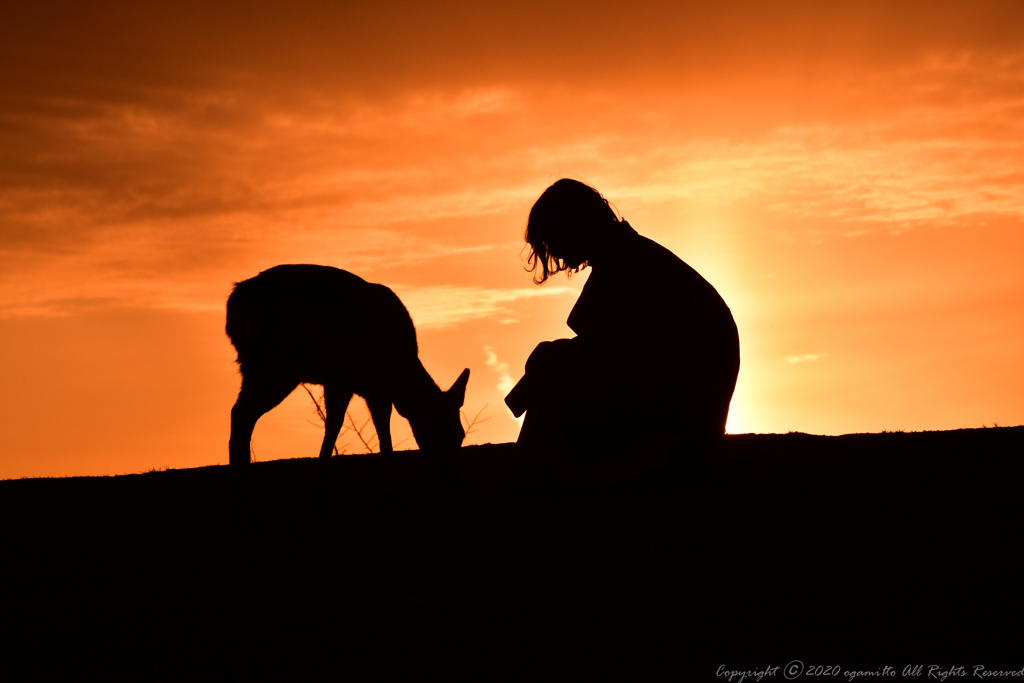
{"type": "Point", "coordinates": [851, 182]}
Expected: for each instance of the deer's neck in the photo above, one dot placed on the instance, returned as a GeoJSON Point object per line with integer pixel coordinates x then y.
{"type": "Point", "coordinates": [414, 390]}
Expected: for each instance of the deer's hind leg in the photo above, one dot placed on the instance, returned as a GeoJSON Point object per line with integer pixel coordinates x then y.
{"type": "Point", "coordinates": [336, 403]}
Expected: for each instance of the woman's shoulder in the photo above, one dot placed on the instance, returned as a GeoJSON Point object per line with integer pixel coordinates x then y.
{"type": "Point", "coordinates": [660, 268]}
{"type": "Point", "coordinates": [631, 264]}
{"type": "Point", "coordinates": [654, 259]}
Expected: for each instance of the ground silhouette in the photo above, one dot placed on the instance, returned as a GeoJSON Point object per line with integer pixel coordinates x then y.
{"type": "Point", "coordinates": [859, 551]}
{"type": "Point", "coordinates": [296, 324]}
{"type": "Point", "coordinates": [656, 353]}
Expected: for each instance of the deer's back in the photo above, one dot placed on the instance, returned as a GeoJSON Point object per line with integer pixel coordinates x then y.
{"type": "Point", "coordinates": [317, 321]}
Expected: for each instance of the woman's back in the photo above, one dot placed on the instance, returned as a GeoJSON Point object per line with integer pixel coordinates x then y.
{"type": "Point", "coordinates": [645, 302]}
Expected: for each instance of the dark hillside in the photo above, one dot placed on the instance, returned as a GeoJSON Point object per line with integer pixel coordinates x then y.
{"type": "Point", "coordinates": [858, 551]}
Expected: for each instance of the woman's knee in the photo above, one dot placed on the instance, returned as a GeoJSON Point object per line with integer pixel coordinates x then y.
{"type": "Point", "coordinates": [548, 356]}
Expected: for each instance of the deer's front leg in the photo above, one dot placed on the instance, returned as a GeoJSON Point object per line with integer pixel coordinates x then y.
{"type": "Point", "coordinates": [380, 411]}
{"type": "Point", "coordinates": [335, 403]}
{"type": "Point", "coordinates": [259, 393]}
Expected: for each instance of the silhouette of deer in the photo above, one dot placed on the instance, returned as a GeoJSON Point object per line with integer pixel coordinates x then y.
{"type": "Point", "coordinates": [311, 324]}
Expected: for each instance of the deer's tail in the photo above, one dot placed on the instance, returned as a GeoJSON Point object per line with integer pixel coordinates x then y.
{"type": "Point", "coordinates": [240, 316]}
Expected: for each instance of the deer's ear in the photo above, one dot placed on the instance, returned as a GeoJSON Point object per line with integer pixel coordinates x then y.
{"type": "Point", "coordinates": [457, 394]}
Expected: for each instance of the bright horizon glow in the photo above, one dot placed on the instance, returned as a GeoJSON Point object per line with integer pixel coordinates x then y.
{"type": "Point", "coordinates": [848, 178]}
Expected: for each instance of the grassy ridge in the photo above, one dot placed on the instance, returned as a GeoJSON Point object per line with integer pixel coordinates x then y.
{"type": "Point", "coordinates": [858, 550]}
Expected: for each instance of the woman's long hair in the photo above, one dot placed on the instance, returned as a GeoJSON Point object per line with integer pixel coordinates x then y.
{"type": "Point", "coordinates": [568, 209]}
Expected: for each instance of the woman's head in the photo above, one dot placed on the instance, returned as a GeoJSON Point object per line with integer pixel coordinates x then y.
{"type": "Point", "coordinates": [564, 225]}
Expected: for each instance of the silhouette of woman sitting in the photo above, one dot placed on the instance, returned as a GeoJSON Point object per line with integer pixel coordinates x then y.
{"type": "Point", "coordinates": [653, 367]}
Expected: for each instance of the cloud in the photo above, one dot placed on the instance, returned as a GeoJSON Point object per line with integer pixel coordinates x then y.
{"type": "Point", "coordinates": [138, 166]}
{"type": "Point", "coordinates": [440, 306]}
{"type": "Point", "coordinates": [806, 358]}
{"type": "Point", "coordinates": [505, 381]}
{"type": "Point", "coordinates": [152, 268]}
{"type": "Point", "coordinates": [86, 140]}
{"type": "Point", "coordinates": [167, 202]}
{"type": "Point", "coordinates": [481, 152]}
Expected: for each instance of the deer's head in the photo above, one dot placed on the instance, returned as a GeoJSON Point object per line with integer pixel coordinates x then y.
{"type": "Point", "coordinates": [438, 426]}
